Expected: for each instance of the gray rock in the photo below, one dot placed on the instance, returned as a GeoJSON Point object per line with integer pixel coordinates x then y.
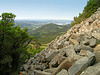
{"type": "Point", "coordinates": [51, 55]}
{"type": "Point", "coordinates": [38, 67]}
{"type": "Point", "coordinates": [83, 47]}
{"type": "Point", "coordinates": [26, 67]}
{"type": "Point", "coordinates": [70, 52]}
{"type": "Point", "coordinates": [62, 72]}
{"type": "Point", "coordinates": [66, 43]}
{"type": "Point", "coordinates": [96, 35]}
{"type": "Point", "coordinates": [97, 55]}
{"type": "Point", "coordinates": [66, 64]}
{"type": "Point", "coordinates": [59, 44]}
{"type": "Point", "coordinates": [92, 70]}
{"type": "Point", "coordinates": [92, 42]}
{"type": "Point", "coordinates": [89, 37]}
{"type": "Point", "coordinates": [87, 53]}
{"type": "Point", "coordinates": [57, 59]}
{"type": "Point", "coordinates": [86, 42]}
{"type": "Point", "coordinates": [79, 66]}
{"type": "Point", "coordinates": [77, 48]}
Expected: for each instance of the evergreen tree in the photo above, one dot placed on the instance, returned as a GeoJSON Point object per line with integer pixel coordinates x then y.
{"type": "Point", "coordinates": [13, 45]}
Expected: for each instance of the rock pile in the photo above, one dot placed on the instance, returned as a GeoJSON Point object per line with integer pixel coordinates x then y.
{"type": "Point", "coordinates": [75, 53]}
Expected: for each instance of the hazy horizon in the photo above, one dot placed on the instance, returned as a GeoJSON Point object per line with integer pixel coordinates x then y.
{"type": "Point", "coordinates": [43, 9]}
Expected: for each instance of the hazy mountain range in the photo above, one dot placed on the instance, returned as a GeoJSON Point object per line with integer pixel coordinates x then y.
{"type": "Point", "coordinates": [45, 30]}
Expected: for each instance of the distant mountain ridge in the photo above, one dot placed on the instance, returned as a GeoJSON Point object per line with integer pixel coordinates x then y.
{"type": "Point", "coordinates": [49, 32]}
{"type": "Point", "coordinates": [33, 24]}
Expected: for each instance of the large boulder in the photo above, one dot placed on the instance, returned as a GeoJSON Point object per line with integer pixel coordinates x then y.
{"type": "Point", "coordinates": [80, 65]}
{"type": "Point", "coordinates": [92, 70]}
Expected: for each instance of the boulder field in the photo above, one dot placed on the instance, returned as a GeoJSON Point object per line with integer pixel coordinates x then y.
{"type": "Point", "coordinates": [75, 53]}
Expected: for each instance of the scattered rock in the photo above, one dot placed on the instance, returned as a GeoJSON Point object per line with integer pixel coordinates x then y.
{"type": "Point", "coordinates": [66, 64]}
{"type": "Point", "coordinates": [57, 59]}
{"type": "Point", "coordinates": [75, 52]}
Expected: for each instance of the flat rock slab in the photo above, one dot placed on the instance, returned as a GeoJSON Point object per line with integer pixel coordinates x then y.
{"type": "Point", "coordinates": [92, 70]}
{"type": "Point", "coordinates": [79, 66]}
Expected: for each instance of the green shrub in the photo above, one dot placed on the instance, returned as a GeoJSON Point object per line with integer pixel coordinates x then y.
{"type": "Point", "coordinates": [89, 9]}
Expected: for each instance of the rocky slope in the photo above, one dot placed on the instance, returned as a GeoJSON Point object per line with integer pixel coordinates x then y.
{"type": "Point", "coordinates": [75, 53]}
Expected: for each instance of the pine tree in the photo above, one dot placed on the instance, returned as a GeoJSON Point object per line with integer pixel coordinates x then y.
{"type": "Point", "coordinates": [13, 45]}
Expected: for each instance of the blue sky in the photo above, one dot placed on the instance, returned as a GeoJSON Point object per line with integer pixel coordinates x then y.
{"type": "Point", "coordinates": [43, 9]}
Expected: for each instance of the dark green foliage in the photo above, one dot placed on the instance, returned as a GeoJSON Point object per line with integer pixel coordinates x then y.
{"type": "Point", "coordinates": [89, 9]}
{"type": "Point", "coordinates": [13, 45]}
{"type": "Point", "coordinates": [49, 32]}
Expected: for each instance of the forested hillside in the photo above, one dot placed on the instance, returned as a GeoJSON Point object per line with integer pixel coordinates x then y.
{"type": "Point", "coordinates": [49, 32]}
